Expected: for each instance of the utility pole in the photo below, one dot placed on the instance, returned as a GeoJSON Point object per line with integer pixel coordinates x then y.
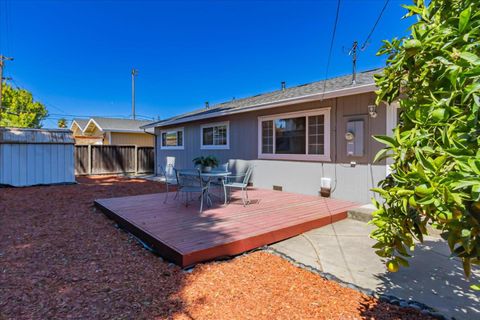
{"type": "Point", "coordinates": [2, 64]}
{"type": "Point", "coordinates": [134, 74]}
{"type": "Point", "coordinates": [353, 54]}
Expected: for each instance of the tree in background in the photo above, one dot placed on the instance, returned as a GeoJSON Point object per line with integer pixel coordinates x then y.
{"type": "Point", "coordinates": [435, 76]}
{"type": "Point", "coordinates": [20, 110]}
{"type": "Point", "coordinates": [62, 123]}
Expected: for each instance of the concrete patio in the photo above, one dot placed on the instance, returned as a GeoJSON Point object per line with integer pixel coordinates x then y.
{"type": "Point", "coordinates": [434, 279]}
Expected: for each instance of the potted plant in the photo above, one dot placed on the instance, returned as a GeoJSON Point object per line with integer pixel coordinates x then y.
{"type": "Point", "coordinates": [206, 163]}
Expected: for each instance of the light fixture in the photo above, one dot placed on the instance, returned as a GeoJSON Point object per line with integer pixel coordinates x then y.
{"type": "Point", "coordinates": [372, 110]}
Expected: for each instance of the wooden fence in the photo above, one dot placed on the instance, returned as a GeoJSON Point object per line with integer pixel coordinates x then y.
{"type": "Point", "coordinates": [99, 159]}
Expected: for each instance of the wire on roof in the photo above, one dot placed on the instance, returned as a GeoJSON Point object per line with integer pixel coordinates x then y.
{"type": "Point", "coordinates": [374, 26]}
{"type": "Point", "coordinates": [331, 47]}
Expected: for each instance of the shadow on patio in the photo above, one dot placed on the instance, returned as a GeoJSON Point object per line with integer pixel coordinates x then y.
{"type": "Point", "coordinates": [435, 279]}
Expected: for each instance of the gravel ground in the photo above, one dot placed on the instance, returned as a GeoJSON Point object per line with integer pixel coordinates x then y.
{"type": "Point", "coordinates": [62, 259]}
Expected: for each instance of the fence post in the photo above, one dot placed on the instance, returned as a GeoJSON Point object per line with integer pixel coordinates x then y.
{"type": "Point", "coordinates": [89, 159]}
{"type": "Point", "coordinates": [136, 160]}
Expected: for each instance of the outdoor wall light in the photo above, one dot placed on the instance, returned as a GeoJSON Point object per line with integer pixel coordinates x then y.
{"type": "Point", "coordinates": [372, 110]}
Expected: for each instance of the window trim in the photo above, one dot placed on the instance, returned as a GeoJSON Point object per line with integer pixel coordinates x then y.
{"type": "Point", "coordinates": [301, 157]}
{"type": "Point", "coordinates": [215, 147]}
{"type": "Point", "coordinates": [162, 147]}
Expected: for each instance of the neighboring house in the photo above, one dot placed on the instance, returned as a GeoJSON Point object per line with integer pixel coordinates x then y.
{"type": "Point", "coordinates": [111, 131]}
{"type": "Point", "coordinates": [294, 136]}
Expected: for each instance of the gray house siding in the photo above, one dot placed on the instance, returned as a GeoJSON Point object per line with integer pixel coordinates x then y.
{"type": "Point", "coordinates": [351, 183]}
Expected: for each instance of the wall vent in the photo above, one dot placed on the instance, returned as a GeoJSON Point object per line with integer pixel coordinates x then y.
{"type": "Point", "coordinates": [278, 188]}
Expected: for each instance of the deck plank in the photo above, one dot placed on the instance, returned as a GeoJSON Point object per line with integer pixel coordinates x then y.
{"type": "Point", "coordinates": [186, 237]}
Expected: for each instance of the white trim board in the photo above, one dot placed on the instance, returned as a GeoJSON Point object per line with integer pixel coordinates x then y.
{"type": "Point", "coordinates": [391, 123]}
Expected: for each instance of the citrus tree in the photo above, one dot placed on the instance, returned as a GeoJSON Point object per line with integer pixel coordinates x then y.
{"type": "Point", "coordinates": [434, 74]}
{"type": "Point", "coordinates": [19, 109]}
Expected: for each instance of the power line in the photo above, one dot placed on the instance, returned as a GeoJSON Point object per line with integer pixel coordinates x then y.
{"type": "Point", "coordinates": [48, 104]}
{"type": "Point", "coordinates": [63, 114]}
{"type": "Point", "coordinates": [331, 47]}
{"type": "Point", "coordinates": [374, 26]}
{"type": "Point", "coordinates": [40, 99]}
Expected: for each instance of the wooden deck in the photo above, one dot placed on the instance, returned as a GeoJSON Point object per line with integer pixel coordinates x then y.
{"type": "Point", "coordinates": [186, 237]}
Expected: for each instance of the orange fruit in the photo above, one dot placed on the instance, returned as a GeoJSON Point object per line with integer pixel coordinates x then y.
{"type": "Point", "coordinates": [392, 266]}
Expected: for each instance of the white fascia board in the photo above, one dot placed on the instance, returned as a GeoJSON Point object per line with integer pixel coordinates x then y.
{"type": "Point", "coordinates": [94, 122]}
{"type": "Point", "coordinates": [307, 98]}
{"type": "Point", "coordinates": [76, 123]}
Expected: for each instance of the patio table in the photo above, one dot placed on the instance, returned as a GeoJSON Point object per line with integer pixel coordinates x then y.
{"type": "Point", "coordinates": [207, 177]}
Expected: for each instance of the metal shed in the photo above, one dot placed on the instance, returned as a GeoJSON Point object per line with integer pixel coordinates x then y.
{"type": "Point", "coordinates": [36, 156]}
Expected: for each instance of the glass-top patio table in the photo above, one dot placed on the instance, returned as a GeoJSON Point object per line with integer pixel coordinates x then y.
{"type": "Point", "coordinates": [207, 177]}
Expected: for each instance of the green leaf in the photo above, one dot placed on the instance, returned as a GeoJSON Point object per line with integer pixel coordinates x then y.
{"type": "Point", "coordinates": [456, 198]}
{"type": "Point", "coordinates": [464, 183]}
{"type": "Point", "coordinates": [382, 192]}
{"type": "Point", "coordinates": [382, 154]}
{"type": "Point", "coordinates": [389, 141]}
{"type": "Point", "coordinates": [476, 192]}
{"type": "Point", "coordinates": [413, 9]}
{"type": "Point", "coordinates": [471, 89]}
{"type": "Point", "coordinates": [402, 261]}
{"type": "Point", "coordinates": [470, 57]}
{"type": "Point", "coordinates": [427, 164]}
{"type": "Point", "coordinates": [475, 165]}
{"type": "Point", "coordinates": [426, 201]}
{"type": "Point", "coordinates": [412, 202]}
{"type": "Point", "coordinates": [464, 19]}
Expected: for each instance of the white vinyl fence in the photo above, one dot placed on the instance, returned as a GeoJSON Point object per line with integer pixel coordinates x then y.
{"type": "Point", "coordinates": [36, 157]}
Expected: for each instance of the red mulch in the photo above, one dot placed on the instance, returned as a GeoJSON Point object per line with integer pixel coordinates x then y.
{"type": "Point", "coordinates": [60, 258]}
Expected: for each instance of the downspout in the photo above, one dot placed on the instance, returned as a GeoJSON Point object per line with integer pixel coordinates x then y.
{"type": "Point", "coordinates": [336, 146]}
{"type": "Point", "coordinates": [333, 125]}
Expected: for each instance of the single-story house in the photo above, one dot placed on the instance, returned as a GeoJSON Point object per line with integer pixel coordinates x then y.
{"type": "Point", "coordinates": [111, 131]}
{"type": "Point", "coordinates": [294, 136]}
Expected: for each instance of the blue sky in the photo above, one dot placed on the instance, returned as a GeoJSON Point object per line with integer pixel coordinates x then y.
{"type": "Point", "coordinates": [76, 56]}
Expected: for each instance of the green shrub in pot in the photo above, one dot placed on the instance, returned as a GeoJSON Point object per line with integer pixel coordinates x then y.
{"type": "Point", "coordinates": [206, 163]}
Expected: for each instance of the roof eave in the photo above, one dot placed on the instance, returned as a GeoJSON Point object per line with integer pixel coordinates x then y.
{"type": "Point", "coordinates": [78, 125]}
{"type": "Point", "coordinates": [150, 125]}
{"type": "Point", "coordinates": [124, 131]}
{"type": "Point", "coordinates": [312, 97]}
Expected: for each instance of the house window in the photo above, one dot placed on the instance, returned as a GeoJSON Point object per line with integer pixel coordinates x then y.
{"type": "Point", "coordinates": [290, 135]}
{"type": "Point", "coordinates": [316, 134]}
{"type": "Point", "coordinates": [172, 139]}
{"type": "Point", "coordinates": [215, 136]}
{"type": "Point", "coordinates": [295, 136]}
{"type": "Point", "coordinates": [267, 136]}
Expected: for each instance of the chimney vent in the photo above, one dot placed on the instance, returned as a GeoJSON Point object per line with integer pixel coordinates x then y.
{"type": "Point", "coordinates": [207, 105]}
{"type": "Point", "coordinates": [284, 85]}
